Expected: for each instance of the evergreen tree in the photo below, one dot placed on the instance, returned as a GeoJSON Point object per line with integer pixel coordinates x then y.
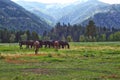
{"type": "Point", "coordinates": [91, 29]}
{"type": "Point", "coordinates": [116, 36]}
{"type": "Point", "coordinates": [103, 37]}
{"type": "Point", "coordinates": [12, 38]}
{"type": "Point", "coordinates": [69, 38]}
{"type": "Point", "coordinates": [111, 37]}
{"type": "Point", "coordinates": [24, 37]}
{"type": "Point", "coordinates": [6, 35]}
{"type": "Point", "coordinates": [28, 35]}
{"type": "Point", "coordinates": [35, 36]}
{"type": "Point", "coordinates": [82, 38]}
{"type": "Point", "coordinates": [18, 36]}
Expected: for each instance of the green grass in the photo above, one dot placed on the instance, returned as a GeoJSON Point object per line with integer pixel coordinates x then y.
{"type": "Point", "coordinates": [83, 61]}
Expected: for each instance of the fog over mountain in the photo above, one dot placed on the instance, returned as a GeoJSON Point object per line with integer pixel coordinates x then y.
{"type": "Point", "coordinates": [73, 13]}
{"type": "Point", "coordinates": [51, 12]}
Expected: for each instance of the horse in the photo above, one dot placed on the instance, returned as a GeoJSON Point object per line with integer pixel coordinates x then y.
{"type": "Point", "coordinates": [36, 46]}
{"type": "Point", "coordinates": [27, 43]}
{"type": "Point", "coordinates": [48, 44]}
{"type": "Point", "coordinates": [63, 44]}
{"type": "Point", "coordinates": [22, 43]}
{"type": "Point", "coordinates": [41, 43]}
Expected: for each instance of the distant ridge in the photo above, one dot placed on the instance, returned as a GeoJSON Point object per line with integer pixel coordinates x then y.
{"type": "Point", "coordinates": [110, 18]}
{"type": "Point", "coordinates": [14, 17]}
{"type": "Point", "coordinates": [77, 13]}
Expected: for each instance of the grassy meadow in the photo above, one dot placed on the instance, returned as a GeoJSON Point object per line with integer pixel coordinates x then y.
{"type": "Point", "coordinates": [83, 61]}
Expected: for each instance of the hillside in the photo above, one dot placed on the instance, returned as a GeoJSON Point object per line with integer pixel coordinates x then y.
{"type": "Point", "coordinates": [110, 18]}
{"type": "Point", "coordinates": [49, 12]}
{"type": "Point", "coordinates": [65, 13]}
{"type": "Point", "coordinates": [83, 11]}
{"type": "Point", "coordinates": [79, 12]}
{"type": "Point", "coordinates": [14, 17]}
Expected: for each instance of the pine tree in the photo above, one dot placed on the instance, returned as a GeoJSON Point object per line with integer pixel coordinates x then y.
{"type": "Point", "coordinates": [28, 35]}
{"type": "Point", "coordinates": [35, 36]}
{"type": "Point", "coordinates": [12, 38]}
{"type": "Point", "coordinates": [91, 29]}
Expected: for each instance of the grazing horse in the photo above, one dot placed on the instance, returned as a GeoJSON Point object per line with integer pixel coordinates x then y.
{"type": "Point", "coordinates": [22, 43]}
{"type": "Point", "coordinates": [56, 45]}
{"type": "Point", "coordinates": [64, 44]}
{"type": "Point", "coordinates": [48, 44]}
{"type": "Point", "coordinates": [36, 46]}
{"type": "Point", "coordinates": [41, 43]}
{"type": "Point", "coordinates": [27, 43]}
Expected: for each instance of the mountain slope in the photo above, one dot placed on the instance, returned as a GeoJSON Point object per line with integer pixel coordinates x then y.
{"type": "Point", "coordinates": [51, 12]}
{"type": "Point", "coordinates": [79, 12]}
{"type": "Point", "coordinates": [14, 17]}
{"type": "Point", "coordinates": [83, 11]}
{"type": "Point", "coordinates": [110, 18]}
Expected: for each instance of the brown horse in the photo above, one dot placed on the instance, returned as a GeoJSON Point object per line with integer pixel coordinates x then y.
{"type": "Point", "coordinates": [22, 43]}
{"type": "Point", "coordinates": [48, 44]}
{"type": "Point", "coordinates": [29, 43]}
{"type": "Point", "coordinates": [64, 44]}
{"type": "Point", "coordinates": [36, 46]}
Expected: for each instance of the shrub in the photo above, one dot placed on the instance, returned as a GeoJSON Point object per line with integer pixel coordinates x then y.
{"type": "Point", "coordinates": [49, 55]}
{"type": "Point", "coordinates": [1, 57]}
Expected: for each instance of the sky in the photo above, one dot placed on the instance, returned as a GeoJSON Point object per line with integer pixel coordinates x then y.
{"type": "Point", "coordinates": [70, 1]}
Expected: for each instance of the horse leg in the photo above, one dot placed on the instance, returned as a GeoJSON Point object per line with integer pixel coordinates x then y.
{"type": "Point", "coordinates": [20, 46]}
{"type": "Point", "coordinates": [36, 51]}
{"type": "Point", "coordinates": [68, 46]}
{"type": "Point", "coordinates": [62, 46]}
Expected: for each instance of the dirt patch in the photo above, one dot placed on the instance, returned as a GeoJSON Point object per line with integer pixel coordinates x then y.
{"type": "Point", "coordinates": [16, 58]}
{"type": "Point", "coordinates": [34, 55]}
{"type": "Point", "coordinates": [111, 77]}
{"type": "Point", "coordinates": [19, 61]}
{"type": "Point", "coordinates": [40, 71]}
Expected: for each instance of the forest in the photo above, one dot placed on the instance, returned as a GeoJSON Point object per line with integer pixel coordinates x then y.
{"type": "Point", "coordinates": [88, 33]}
{"type": "Point", "coordinates": [64, 32]}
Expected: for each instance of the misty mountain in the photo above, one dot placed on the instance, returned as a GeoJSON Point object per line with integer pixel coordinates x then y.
{"type": "Point", "coordinates": [65, 13]}
{"type": "Point", "coordinates": [48, 12]}
{"type": "Point", "coordinates": [110, 18]}
{"type": "Point", "coordinates": [14, 17]}
{"type": "Point", "coordinates": [79, 12]}
{"type": "Point", "coordinates": [84, 11]}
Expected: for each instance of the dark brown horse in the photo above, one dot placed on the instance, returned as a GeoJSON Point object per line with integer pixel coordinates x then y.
{"type": "Point", "coordinates": [21, 43]}
{"type": "Point", "coordinates": [27, 43]}
{"type": "Point", "coordinates": [64, 44]}
{"type": "Point", "coordinates": [48, 44]}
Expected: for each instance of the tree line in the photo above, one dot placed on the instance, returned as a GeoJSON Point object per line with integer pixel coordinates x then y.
{"type": "Point", "coordinates": [64, 32]}
{"type": "Point", "coordinates": [8, 36]}
{"type": "Point", "coordinates": [77, 33]}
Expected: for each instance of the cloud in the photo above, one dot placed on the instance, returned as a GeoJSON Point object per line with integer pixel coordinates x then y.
{"type": "Point", "coordinates": [49, 1]}
{"type": "Point", "coordinates": [111, 1]}
{"type": "Point", "coordinates": [69, 1]}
